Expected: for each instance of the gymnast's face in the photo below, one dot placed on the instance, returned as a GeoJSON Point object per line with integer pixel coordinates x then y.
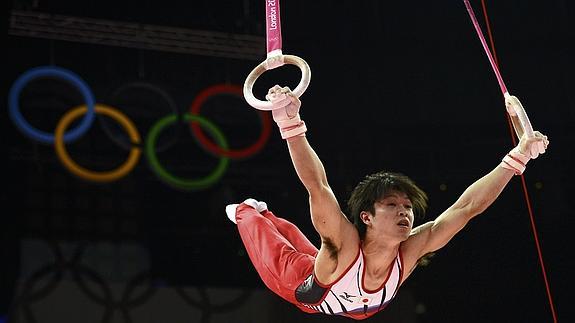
{"type": "Point", "coordinates": [393, 216]}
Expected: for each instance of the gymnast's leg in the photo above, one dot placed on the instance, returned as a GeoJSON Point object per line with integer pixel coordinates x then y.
{"type": "Point", "coordinates": [279, 264]}
{"type": "Point", "coordinates": [292, 233]}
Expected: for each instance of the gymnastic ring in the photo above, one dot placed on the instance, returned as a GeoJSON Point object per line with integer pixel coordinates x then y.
{"type": "Point", "coordinates": [164, 175]}
{"type": "Point", "coordinates": [218, 151]}
{"type": "Point", "coordinates": [56, 72]}
{"type": "Point", "coordinates": [121, 141]}
{"type": "Point", "coordinates": [105, 176]}
{"type": "Point", "coordinates": [260, 69]}
{"type": "Point", "coordinates": [524, 126]}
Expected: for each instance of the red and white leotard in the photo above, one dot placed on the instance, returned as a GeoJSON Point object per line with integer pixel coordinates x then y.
{"type": "Point", "coordinates": [347, 296]}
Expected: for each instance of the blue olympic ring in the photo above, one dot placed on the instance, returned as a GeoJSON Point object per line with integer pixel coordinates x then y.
{"type": "Point", "coordinates": [56, 72]}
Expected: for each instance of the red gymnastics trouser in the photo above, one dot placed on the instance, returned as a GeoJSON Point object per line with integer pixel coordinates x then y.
{"type": "Point", "coordinates": [281, 254]}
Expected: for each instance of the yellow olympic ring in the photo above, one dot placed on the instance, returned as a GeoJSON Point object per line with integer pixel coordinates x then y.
{"type": "Point", "coordinates": [104, 176]}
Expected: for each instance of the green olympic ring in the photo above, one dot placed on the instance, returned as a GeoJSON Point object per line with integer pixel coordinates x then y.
{"type": "Point", "coordinates": [163, 174]}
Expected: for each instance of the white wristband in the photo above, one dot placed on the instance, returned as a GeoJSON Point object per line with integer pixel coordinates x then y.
{"type": "Point", "coordinates": [515, 161]}
{"type": "Point", "coordinates": [297, 130]}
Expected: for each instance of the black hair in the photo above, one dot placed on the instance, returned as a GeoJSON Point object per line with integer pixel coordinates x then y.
{"type": "Point", "coordinates": [375, 187]}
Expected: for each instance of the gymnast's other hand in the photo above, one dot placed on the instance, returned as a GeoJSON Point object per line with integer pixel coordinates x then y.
{"type": "Point", "coordinates": [286, 104]}
{"type": "Point", "coordinates": [534, 146]}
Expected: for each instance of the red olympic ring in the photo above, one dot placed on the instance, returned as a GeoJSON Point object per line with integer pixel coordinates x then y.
{"type": "Point", "coordinates": [209, 145]}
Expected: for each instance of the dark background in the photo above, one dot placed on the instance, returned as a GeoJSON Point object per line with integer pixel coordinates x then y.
{"type": "Point", "coordinates": [401, 86]}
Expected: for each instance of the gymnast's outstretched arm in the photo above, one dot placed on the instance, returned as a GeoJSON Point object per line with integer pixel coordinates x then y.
{"type": "Point", "coordinates": [327, 217]}
{"type": "Point", "coordinates": [435, 234]}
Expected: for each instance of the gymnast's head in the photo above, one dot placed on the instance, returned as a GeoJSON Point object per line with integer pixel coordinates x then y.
{"type": "Point", "coordinates": [374, 188]}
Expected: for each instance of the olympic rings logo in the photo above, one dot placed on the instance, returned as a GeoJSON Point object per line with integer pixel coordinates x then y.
{"type": "Point", "coordinates": [219, 147]}
{"type": "Point", "coordinates": [70, 262]}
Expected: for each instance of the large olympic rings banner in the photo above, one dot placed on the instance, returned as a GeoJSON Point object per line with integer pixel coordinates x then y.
{"type": "Point", "coordinates": [214, 142]}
